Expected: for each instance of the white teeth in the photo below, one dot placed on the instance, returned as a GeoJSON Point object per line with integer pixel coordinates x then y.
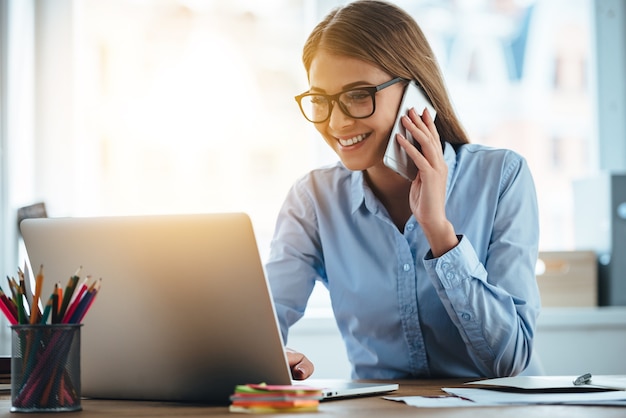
{"type": "Point", "coordinates": [351, 141]}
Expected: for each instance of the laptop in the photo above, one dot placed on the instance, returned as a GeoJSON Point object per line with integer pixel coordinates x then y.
{"type": "Point", "coordinates": [184, 312]}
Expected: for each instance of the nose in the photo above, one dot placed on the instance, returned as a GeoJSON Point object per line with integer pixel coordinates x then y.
{"type": "Point", "coordinates": [338, 119]}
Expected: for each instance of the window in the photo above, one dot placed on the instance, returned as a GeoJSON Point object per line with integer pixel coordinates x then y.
{"type": "Point", "coordinates": [187, 106]}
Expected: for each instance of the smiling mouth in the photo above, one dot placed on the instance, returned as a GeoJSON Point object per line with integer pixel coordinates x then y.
{"type": "Point", "coordinates": [352, 141]}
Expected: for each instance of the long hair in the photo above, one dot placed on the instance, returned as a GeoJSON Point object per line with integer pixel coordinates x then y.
{"type": "Point", "coordinates": [386, 36]}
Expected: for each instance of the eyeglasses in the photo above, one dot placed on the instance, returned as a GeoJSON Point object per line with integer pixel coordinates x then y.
{"type": "Point", "coordinates": [357, 103]}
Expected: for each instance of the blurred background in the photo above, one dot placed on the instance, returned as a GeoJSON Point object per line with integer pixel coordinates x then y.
{"type": "Point", "coordinates": [125, 107]}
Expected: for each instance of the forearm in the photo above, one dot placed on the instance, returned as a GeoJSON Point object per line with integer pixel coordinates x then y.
{"type": "Point", "coordinates": [441, 237]}
{"type": "Point", "coordinates": [496, 323]}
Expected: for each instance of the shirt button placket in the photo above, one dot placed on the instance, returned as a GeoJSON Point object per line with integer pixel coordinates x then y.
{"type": "Point", "coordinates": [410, 317]}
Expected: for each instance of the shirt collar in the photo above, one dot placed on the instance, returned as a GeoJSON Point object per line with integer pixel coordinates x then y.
{"type": "Point", "coordinates": [358, 190]}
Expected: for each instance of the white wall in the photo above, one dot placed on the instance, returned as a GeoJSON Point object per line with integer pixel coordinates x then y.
{"type": "Point", "coordinates": [578, 340]}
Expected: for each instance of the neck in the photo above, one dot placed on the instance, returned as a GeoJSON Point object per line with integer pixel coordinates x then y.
{"type": "Point", "coordinates": [393, 192]}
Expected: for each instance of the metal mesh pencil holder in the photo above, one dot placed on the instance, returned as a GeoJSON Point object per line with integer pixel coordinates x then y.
{"type": "Point", "coordinates": [45, 368]}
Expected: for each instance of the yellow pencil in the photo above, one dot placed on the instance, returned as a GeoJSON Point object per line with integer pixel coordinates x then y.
{"type": "Point", "coordinates": [36, 314]}
{"type": "Point", "coordinates": [59, 291]}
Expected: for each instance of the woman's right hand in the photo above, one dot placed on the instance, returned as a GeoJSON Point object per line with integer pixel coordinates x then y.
{"type": "Point", "coordinates": [427, 197]}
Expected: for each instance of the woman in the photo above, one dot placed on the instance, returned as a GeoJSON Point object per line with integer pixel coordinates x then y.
{"type": "Point", "coordinates": [427, 278]}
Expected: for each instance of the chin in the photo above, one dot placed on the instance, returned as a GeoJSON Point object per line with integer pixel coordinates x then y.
{"type": "Point", "coordinates": [354, 165]}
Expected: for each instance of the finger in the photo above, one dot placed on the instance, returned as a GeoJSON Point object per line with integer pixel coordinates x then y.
{"type": "Point", "coordinates": [425, 124]}
{"type": "Point", "coordinates": [416, 127]}
{"type": "Point", "coordinates": [424, 132]}
{"type": "Point", "coordinates": [302, 370]}
{"type": "Point", "coordinates": [411, 150]}
{"type": "Point", "coordinates": [430, 123]}
{"type": "Point", "coordinates": [301, 367]}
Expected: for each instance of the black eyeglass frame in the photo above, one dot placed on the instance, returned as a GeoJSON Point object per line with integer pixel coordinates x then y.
{"type": "Point", "coordinates": [334, 98]}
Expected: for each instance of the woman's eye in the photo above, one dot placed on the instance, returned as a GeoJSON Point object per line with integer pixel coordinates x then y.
{"type": "Point", "coordinates": [358, 95]}
{"type": "Point", "coordinates": [318, 100]}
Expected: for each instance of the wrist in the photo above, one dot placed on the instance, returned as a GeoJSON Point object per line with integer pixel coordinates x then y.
{"type": "Point", "coordinates": [441, 239]}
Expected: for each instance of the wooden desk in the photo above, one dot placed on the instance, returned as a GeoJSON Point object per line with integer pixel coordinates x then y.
{"type": "Point", "coordinates": [373, 406]}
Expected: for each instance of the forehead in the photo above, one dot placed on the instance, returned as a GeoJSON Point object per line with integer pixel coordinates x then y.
{"type": "Point", "coordinates": [330, 73]}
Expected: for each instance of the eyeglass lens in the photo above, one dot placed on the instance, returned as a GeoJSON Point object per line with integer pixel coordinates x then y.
{"type": "Point", "coordinates": [354, 103]}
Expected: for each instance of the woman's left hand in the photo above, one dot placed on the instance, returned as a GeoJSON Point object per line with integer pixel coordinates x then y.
{"type": "Point", "coordinates": [427, 197]}
{"type": "Point", "coordinates": [301, 367]}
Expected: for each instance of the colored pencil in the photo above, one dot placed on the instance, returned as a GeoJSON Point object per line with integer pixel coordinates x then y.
{"type": "Point", "coordinates": [35, 313]}
{"type": "Point", "coordinates": [43, 384]}
{"type": "Point", "coordinates": [55, 304]}
{"type": "Point", "coordinates": [26, 291]}
{"type": "Point", "coordinates": [76, 298]}
{"type": "Point", "coordinates": [13, 288]}
{"type": "Point", "coordinates": [85, 303]}
{"type": "Point", "coordinates": [22, 317]}
{"type": "Point", "coordinates": [8, 303]}
{"type": "Point", "coordinates": [69, 291]}
{"type": "Point", "coordinates": [7, 312]}
{"type": "Point", "coordinates": [47, 310]}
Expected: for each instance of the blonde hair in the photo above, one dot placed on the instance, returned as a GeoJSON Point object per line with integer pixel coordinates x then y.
{"type": "Point", "coordinates": [386, 36]}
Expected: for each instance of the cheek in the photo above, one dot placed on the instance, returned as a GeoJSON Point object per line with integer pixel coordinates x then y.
{"type": "Point", "coordinates": [385, 121]}
{"type": "Point", "coordinates": [383, 124]}
{"type": "Point", "coordinates": [386, 115]}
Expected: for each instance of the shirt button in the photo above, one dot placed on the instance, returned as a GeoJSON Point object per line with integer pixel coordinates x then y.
{"type": "Point", "coordinates": [466, 316]}
{"type": "Point", "coordinates": [406, 267]}
{"type": "Point", "coordinates": [410, 227]}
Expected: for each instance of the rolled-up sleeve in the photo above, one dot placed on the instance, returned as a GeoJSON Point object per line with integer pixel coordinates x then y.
{"type": "Point", "coordinates": [492, 297]}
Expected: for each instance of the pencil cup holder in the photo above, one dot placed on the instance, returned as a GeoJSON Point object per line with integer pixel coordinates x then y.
{"type": "Point", "coordinates": [45, 368]}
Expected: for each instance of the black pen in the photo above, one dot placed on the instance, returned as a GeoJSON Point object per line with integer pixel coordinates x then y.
{"type": "Point", "coordinates": [583, 379]}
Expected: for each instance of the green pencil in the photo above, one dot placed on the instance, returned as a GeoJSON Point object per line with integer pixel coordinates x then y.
{"type": "Point", "coordinates": [46, 311]}
{"type": "Point", "coordinates": [21, 313]}
{"type": "Point", "coordinates": [69, 291]}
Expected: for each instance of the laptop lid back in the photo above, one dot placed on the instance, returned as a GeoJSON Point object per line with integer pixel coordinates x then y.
{"type": "Point", "coordinates": [184, 312]}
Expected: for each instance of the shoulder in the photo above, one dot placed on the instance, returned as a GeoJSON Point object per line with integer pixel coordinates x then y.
{"type": "Point", "coordinates": [484, 153]}
{"type": "Point", "coordinates": [320, 193]}
{"type": "Point", "coordinates": [494, 168]}
{"type": "Point", "coordinates": [489, 161]}
{"type": "Point", "coordinates": [327, 177]}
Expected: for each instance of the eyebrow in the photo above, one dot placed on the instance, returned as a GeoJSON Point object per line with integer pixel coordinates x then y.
{"type": "Point", "coordinates": [360, 83]}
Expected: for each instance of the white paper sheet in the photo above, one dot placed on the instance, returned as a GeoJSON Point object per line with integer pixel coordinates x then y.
{"type": "Point", "coordinates": [554, 382]}
{"type": "Point", "coordinates": [495, 397]}
{"type": "Point", "coordinates": [527, 390]}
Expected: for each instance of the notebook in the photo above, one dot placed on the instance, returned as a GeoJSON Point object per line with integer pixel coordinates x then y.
{"type": "Point", "coordinates": [184, 312]}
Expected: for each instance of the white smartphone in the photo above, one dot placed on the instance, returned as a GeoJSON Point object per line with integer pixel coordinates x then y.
{"type": "Point", "coordinates": [395, 157]}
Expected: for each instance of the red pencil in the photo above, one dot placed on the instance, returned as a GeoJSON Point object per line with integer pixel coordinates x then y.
{"type": "Point", "coordinates": [7, 312]}
{"type": "Point", "coordinates": [9, 303]}
{"type": "Point", "coordinates": [75, 302]}
{"type": "Point", "coordinates": [81, 311]}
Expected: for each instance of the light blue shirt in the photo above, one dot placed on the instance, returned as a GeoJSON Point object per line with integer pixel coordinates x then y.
{"type": "Point", "coordinates": [401, 312]}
